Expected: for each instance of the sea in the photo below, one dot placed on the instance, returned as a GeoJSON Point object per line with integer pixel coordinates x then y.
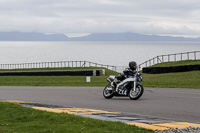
{"type": "Point", "coordinates": [107, 53]}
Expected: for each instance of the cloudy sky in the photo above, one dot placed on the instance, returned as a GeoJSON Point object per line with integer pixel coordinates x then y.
{"type": "Point", "coordinates": [74, 17]}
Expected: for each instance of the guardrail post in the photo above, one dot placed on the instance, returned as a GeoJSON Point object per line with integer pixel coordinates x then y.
{"type": "Point", "coordinates": [83, 64]}
{"type": "Point", "coordinates": [181, 56]}
{"type": "Point", "coordinates": [153, 61]}
{"type": "Point", "coordinates": [139, 67]}
{"type": "Point", "coordinates": [174, 57]}
{"type": "Point", "coordinates": [168, 58]}
{"type": "Point", "coordinates": [195, 58]}
{"type": "Point", "coordinates": [157, 60]}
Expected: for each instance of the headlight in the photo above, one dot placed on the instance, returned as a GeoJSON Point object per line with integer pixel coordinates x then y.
{"type": "Point", "coordinates": [111, 79]}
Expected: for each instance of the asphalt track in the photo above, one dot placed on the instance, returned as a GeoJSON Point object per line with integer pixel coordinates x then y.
{"type": "Point", "coordinates": [176, 104]}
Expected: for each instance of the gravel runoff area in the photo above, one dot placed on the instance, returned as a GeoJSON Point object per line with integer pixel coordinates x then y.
{"type": "Point", "coordinates": [185, 130]}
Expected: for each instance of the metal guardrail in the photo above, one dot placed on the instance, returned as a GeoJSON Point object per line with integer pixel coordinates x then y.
{"type": "Point", "coordinates": [58, 64]}
{"type": "Point", "coordinates": [195, 55]}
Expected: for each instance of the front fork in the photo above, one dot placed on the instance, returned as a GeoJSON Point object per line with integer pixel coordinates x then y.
{"type": "Point", "coordinates": [134, 87]}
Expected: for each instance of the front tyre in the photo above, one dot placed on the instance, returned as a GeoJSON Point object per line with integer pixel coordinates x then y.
{"type": "Point", "coordinates": [134, 95]}
{"type": "Point", "coordinates": [108, 91]}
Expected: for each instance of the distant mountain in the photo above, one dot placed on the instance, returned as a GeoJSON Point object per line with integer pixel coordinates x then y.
{"type": "Point", "coordinates": [130, 37]}
{"type": "Point", "coordinates": [33, 36]}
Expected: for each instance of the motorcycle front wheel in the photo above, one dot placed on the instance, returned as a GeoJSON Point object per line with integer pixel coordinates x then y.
{"type": "Point", "coordinates": [108, 91]}
{"type": "Point", "coordinates": [134, 95]}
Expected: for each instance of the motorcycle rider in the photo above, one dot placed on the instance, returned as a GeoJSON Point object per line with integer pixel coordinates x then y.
{"type": "Point", "coordinates": [128, 71]}
{"type": "Point", "coordinates": [131, 70]}
{"type": "Point", "coordinates": [128, 74]}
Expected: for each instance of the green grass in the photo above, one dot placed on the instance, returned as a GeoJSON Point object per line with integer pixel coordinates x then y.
{"type": "Point", "coordinates": [173, 80]}
{"type": "Point", "coordinates": [170, 80]}
{"type": "Point", "coordinates": [52, 81]}
{"type": "Point", "coordinates": [17, 119]}
{"type": "Point", "coordinates": [56, 80]}
{"type": "Point", "coordinates": [178, 63]}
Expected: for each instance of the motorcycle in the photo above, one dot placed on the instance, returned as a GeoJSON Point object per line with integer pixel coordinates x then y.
{"type": "Point", "coordinates": [130, 87]}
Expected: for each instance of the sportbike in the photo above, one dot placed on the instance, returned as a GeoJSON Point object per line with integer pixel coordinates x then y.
{"type": "Point", "coordinates": [121, 86]}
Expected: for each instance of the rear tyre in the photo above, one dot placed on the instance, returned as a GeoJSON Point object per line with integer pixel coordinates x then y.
{"type": "Point", "coordinates": [134, 95]}
{"type": "Point", "coordinates": [108, 91]}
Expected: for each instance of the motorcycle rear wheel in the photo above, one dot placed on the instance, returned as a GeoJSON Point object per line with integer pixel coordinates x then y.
{"type": "Point", "coordinates": [108, 91]}
{"type": "Point", "coordinates": [134, 95]}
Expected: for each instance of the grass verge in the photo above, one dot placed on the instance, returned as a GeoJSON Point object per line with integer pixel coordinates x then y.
{"type": "Point", "coordinates": [55, 80]}
{"type": "Point", "coordinates": [168, 80]}
{"type": "Point", "coordinates": [17, 119]}
{"type": "Point", "coordinates": [173, 80]}
{"type": "Point", "coordinates": [52, 81]}
{"type": "Point", "coordinates": [178, 63]}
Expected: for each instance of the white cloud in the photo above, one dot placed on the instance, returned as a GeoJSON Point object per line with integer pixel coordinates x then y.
{"type": "Point", "coordinates": [180, 17]}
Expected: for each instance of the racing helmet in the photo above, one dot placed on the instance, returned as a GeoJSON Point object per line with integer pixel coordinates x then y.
{"type": "Point", "coordinates": [132, 65]}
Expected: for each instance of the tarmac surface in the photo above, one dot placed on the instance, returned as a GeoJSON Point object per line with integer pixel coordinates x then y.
{"type": "Point", "coordinates": [162, 104]}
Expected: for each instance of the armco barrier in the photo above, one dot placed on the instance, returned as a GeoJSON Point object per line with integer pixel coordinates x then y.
{"type": "Point", "coordinates": [58, 64]}
{"type": "Point", "coordinates": [157, 70]}
{"type": "Point", "coordinates": [194, 55]}
{"type": "Point", "coordinates": [100, 72]}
